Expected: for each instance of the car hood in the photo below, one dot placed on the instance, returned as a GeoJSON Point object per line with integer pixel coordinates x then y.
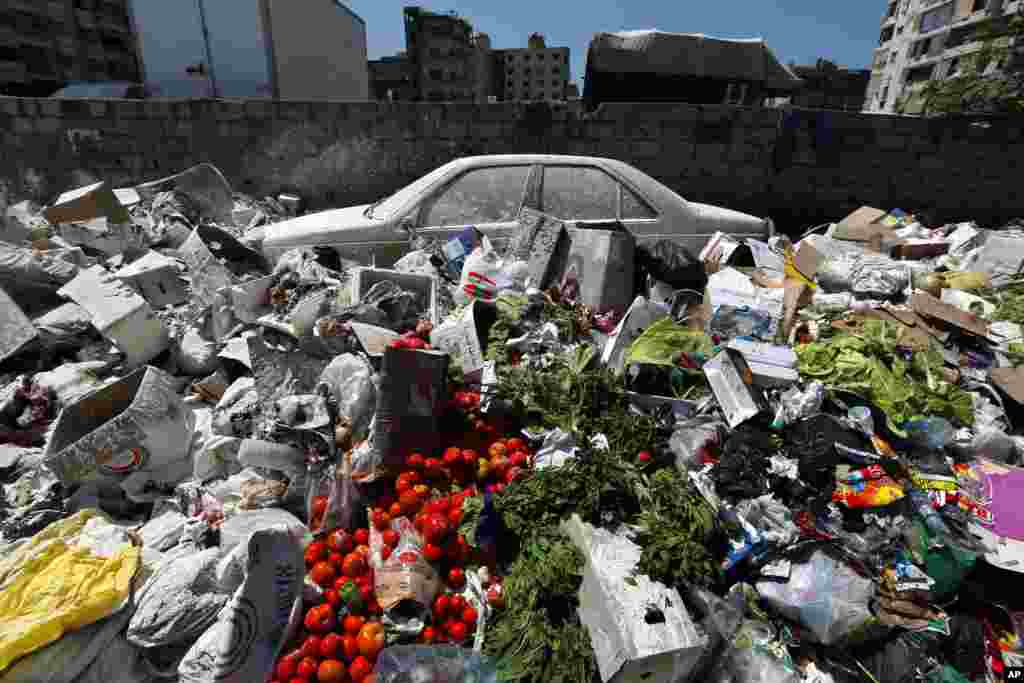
{"type": "Point", "coordinates": [323, 227]}
{"type": "Point", "coordinates": [727, 220]}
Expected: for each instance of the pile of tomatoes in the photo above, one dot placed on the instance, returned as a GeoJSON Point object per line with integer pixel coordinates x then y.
{"type": "Point", "coordinates": [343, 634]}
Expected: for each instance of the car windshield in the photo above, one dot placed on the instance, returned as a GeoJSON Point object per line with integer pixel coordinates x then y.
{"type": "Point", "coordinates": [389, 205]}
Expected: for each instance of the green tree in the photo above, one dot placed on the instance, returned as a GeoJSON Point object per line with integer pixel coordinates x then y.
{"type": "Point", "coordinates": [975, 89]}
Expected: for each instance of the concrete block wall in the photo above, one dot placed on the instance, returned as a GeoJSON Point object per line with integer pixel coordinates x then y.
{"type": "Point", "coordinates": [799, 167]}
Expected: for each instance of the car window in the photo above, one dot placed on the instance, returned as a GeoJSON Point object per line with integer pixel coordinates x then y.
{"type": "Point", "coordinates": [579, 193]}
{"type": "Point", "coordinates": [634, 207]}
{"type": "Point", "coordinates": [483, 195]}
{"type": "Point", "coordinates": [408, 193]}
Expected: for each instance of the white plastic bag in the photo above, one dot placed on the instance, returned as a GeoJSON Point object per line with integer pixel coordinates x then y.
{"type": "Point", "coordinates": [249, 634]}
{"type": "Point", "coordinates": [179, 602]}
{"type": "Point", "coordinates": [480, 275]}
{"type": "Point", "coordinates": [349, 379]}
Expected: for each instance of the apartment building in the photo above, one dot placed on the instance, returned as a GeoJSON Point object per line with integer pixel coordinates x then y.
{"type": "Point", "coordinates": [45, 44]}
{"type": "Point", "coordinates": [535, 72]}
{"type": "Point", "coordinates": [923, 40]}
{"type": "Point", "coordinates": [441, 56]}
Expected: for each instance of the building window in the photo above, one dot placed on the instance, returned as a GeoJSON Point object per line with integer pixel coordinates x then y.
{"type": "Point", "coordinates": [555, 70]}
{"type": "Point", "coordinates": [555, 84]}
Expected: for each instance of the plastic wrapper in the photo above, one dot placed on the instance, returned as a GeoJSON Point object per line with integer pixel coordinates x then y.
{"type": "Point", "coordinates": [732, 321]}
{"type": "Point", "coordinates": [824, 595]}
{"type": "Point", "coordinates": [480, 275]}
{"type": "Point", "coordinates": [772, 519]}
{"type": "Point", "coordinates": [994, 444]}
{"type": "Point", "coordinates": [868, 494]}
{"type": "Point", "coordinates": [933, 433]}
{"type": "Point", "coordinates": [696, 442]}
{"type": "Point", "coordinates": [796, 404]}
{"type": "Point", "coordinates": [418, 663]}
{"type": "Point", "coordinates": [332, 499]}
{"type": "Point", "coordinates": [406, 576]}
{"type": "Point", "coordinates": [558, 448]}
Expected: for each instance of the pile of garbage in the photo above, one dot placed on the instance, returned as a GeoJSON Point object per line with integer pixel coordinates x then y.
{"type": "Point", "coordinates": [577, 458]}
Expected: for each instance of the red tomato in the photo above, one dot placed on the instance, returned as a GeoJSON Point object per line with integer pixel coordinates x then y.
{"type": "Point", "coordinates": [285, 668]}
{"type": "Point", "coordinates": [340, 541]}
{"type": "Point", "coordinates": [457, 630]}
{"type": "Point", "coordinates": [432, 552]}
{"type": "Point", "coordinates": [366, 592]}
{"type": "Point", "coordinates": [299, 680]}
{"type": "Point", "coordinates": [323, 574]}
{"type": "Point", "coordinates": [390, 538]}
{"type": "Point", "coordinates": [433, 466]}
{"type": "Point", "coordinates": [469, 457]}
{"type": "Point", "coordinates": [330, 646]}
{"type": "Point", "coordinates": [519, 459]}
{"type": "Point", "coordinates": [371, 639]}
{"type": "Point", "coordinates": [307, 667]}
{"type": "Point", "coordinates": [385, 553]}
{"type": "Point", "coordinates": [352, 624]}
{"type": "Point", "coordinates": [427, 635]}
{"type": "Point", "coordinates": [334, 559]}
{"type": "Point", "coordinates": [455, 517]}
{"type": "Point", "coordinates": [515, 444]}
{"type": "Point", "coordinates": [354, 564]}
{"type": "Point", "coordinates": [320, 619]}
{"type": "Point", "coordinates": [360, 669]}
{"type": "Point", "coordinates": [333, 597]}
{"type": "Point", "coordinates": [644, 457]}
{"type": "Point", "coordinates": [469, 616]}
{"type": "Point", "coordinates": [458, 604]}
{"type": "Point", "coordinates": [435, 529]}
{"type": "Point", "coordinates": [442, 603]}
{"type": "Point", "coordinates": [316, 552]}
{"type": "Point", "coordinates": [395, 510]}
{"type": "Point", "coordinates": [331, 671]}
{"type": "Point", "coordinates": [319, 506]}
{"type": "Point", "coordinates": [341, 581]}
{"type": "Point", "coordinates": [349, 647]}
{"type": "Point", "coordinates": [361, 536]}
{"type": "Point", "coordinates": [497, 449]}
{"type": "Point", "coordinates": [381, 520]}
{"type": "Point", "coordinates": [409, 501]}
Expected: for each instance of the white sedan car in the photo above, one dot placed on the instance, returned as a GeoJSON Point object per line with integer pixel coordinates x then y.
{"type": "Point", "coordinates": [488, 192]}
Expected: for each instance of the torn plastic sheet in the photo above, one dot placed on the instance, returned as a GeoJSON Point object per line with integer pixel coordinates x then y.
{"type": "Point", "coordinates": [824, 595]}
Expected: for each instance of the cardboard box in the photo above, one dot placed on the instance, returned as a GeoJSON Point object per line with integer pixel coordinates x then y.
{"type": "Point", "coordinates": [641, 315]}
{"type": "Point", "coordinates": [120, 315]}
{"type": "Point", "coordinates": [157, 278]}
{"type": "Point", "coordinates": [601, 262]}
{"type": "Point", "coordinates": [424, 286]}
{"type": "Point", "coordinates": [732, 382]}
{"type": "Point", "coordinates": [215, 258]}
{"type": "Point", "coordinates": [537, 243]}
{"type": "Point", "coordinates": [864, 225]}
{"type": "Point", "coordinates": [16, 330]}
{"type": "Point", "coordinates": [806, 259]}
{"type": "Point", "coordinates": [771, 364]}
{"type": "Point", "coordinates": [927, 305]}
{"type": "Point", "coordinates": [640, 629]}
{"type": "Point", "coordinates": [410, 401]}
{"type": "Point", "coordinates": [372, 338]}
{"type": "Point", "coordinates": [129, 433]}
{"type": "Point", "coordinates": [85, 204]}
{"type": "Point", "coordinates": [465, 336]}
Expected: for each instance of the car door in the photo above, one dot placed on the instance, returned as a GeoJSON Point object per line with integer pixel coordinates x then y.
{"type": "Point", "coordinates": [591, 194]}
{"type": "Point", "coordinates": [486, 197]}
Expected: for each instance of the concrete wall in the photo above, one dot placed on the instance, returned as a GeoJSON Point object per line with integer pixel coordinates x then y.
{"type": "Point", "coordinates": [799, 169]}
{"type": "Point", "coordinates": [319, 49]}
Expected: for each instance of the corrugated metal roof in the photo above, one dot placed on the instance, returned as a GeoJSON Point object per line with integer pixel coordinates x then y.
{"type": "Point", "coordinates": [693, 54]}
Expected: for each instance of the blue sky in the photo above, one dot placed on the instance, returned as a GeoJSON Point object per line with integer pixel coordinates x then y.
{"type": "Point", "coordinates": [800, 30]}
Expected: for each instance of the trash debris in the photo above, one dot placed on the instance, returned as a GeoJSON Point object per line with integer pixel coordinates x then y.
{"type": "Point", "coordinates": [574, 453]}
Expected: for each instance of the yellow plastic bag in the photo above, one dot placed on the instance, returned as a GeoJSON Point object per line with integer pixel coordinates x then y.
{"type": "Point", "coordinates": [59, 582]}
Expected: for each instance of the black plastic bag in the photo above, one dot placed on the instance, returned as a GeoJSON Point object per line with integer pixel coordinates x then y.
{"type": "Point", "coordinates": [672, 264]}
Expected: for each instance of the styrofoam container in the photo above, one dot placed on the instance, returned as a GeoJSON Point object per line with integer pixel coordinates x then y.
{"type": "Point", "coordinates": [423, 285]}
